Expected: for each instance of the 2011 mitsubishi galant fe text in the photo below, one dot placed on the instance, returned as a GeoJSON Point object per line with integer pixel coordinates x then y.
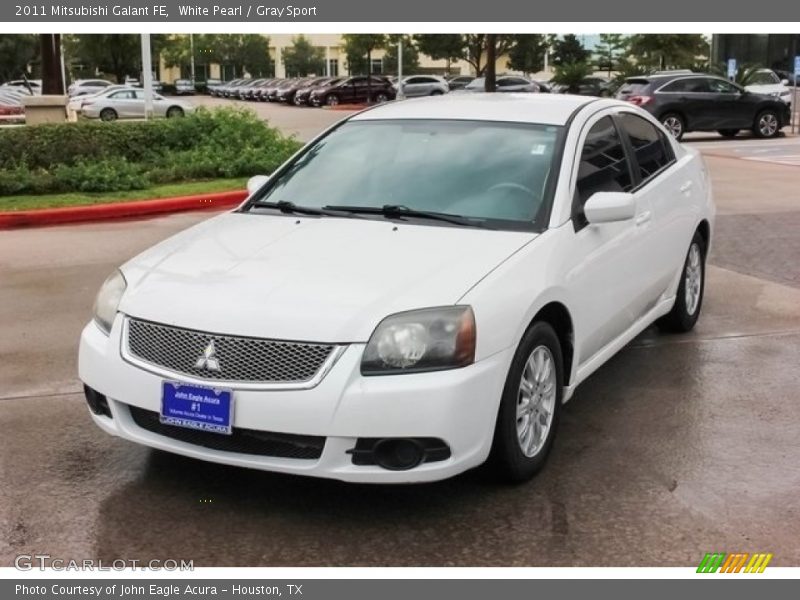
{"type": "Point", "coordinates": [416, 291]}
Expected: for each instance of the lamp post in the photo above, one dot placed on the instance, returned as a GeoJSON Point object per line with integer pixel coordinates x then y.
{"type": "Point", "coordinates": [147, 76]}
{"type": "Point", "coordinates": [400, 68]}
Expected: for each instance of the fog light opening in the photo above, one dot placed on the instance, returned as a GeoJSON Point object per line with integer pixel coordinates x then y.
{"type": "Point", "coordinates": [398, 454]}
{"type": "Point", "coordinates": [97, 402]}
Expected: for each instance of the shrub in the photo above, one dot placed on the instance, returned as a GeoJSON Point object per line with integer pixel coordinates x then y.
{"type": "Point", "coordinates": [100, 176]}
{"type": "Point", "coordinates": [103, 157]}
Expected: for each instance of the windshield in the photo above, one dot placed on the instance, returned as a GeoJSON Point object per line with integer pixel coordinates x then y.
{"type": "Point", "coordinates": [477, 84]}
{"type": "Point", "coordinates": [476, 169]}
{"type": "Point", "coordinates": [764, 78]}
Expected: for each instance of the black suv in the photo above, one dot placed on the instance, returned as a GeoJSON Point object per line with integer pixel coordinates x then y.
{"type": "Point", "coordinates": [700, 102]}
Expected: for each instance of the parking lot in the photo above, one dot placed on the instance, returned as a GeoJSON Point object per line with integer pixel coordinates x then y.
{"type": "Point", "coordinates": [680, 445]}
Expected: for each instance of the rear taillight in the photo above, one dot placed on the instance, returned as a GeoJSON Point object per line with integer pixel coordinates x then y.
{"type": "Point", "coordinates": [640, 100]}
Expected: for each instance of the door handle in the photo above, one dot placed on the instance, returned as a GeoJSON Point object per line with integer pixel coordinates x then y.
{"type": "Point", "coordinates": [686, 187]}
{"type": "Point", "coordinates": [643, 217]}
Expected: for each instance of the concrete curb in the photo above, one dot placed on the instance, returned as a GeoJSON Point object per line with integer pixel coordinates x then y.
{"type": "Point", "coordinates": [118, 210]}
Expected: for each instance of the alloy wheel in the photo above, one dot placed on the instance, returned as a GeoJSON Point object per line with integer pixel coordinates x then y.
{"type": "Point", "coordinates": [693, 279]}
{"type": "Point", "coordinates": [674, 126]}
{"type": "Point", "coordinates": [536, 400]}
{"type": "Point", "coordinates": [767, 124]}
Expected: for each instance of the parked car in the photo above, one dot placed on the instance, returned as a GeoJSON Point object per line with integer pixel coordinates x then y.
{"type": "Point", "coordinates": [76, 102]}
{"type": "Point", "coordinates": [268, 91]}
{"type": "Point", "coordinates": [506, 83]}
{"type": "Point", "coordinates": [85, 87]}
{"type": "Point", "coordinates": [29, 86]}
{"type": "Point", "coordinates": [184, 87]}
{"type": "Point", "coordinates": [353, 90]}
{"type": "Point", "coordinates": [287, 91]}
{"type": "Point", "coordinates": [423, 85]}
{"type": "Point", "coordinates": [596, 86]}
{"type": "Point", "coordinates": [129, 103]}
{"type": "Point", "coordinates": [301, 97]}
{"type": "Point", "coordinates": [765, 81]}
{"type": "Point", "coordinates": [243, 91]}
{"type": "Point", "coordinates": [441, 275]}
{"type": "Point", "coordinates": [701, 102]}
{"type": "Point", "coordinates": [211, 85]}
{"type": "Point", "coordinates": [790, 77]}
{"type": "Point", "coordinates": [459, 82]}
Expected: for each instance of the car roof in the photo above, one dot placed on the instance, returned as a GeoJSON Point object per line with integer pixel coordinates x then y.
{"type": "Point", "coordinates": [548, 109]}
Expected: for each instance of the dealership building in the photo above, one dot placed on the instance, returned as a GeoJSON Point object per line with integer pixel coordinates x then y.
{"type": "Point", "coordinates": [772, 50]}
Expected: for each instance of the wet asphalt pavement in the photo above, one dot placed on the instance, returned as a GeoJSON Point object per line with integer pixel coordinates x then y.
{"type": "Point", "coordinates": [680, 445]}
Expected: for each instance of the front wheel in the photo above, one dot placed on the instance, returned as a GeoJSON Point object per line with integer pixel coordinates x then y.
{"type": "Point", "coordinates": [689, 299]}
{"type": "Point", "coordinates": [673, 123]}
{"type": "Point", "coordinates": [332, 100]}
{"type": "Point", "coordinates": [530, 405]}
{"type": "Point", "coordinates": [174, 111]}
{"type": "Point", "coordinates": [108, 114]}
{"type": "Point", "coordinates": [381, 97]}
{"type": "Point", "coordinates": [767, 124]}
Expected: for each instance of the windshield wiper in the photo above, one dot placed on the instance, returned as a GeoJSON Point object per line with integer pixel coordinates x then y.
{"type": "Point", "coordinates": [295, 209]}
{"type": "Point", "coordinates": [395, 210]}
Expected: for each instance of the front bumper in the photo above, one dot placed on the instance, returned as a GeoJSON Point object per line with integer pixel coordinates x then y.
{"type": "Point", "coordinates": [457, 406]}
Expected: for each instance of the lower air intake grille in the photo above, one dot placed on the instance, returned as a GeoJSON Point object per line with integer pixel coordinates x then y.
{"type": "Point", "coordinates": [241, 441]}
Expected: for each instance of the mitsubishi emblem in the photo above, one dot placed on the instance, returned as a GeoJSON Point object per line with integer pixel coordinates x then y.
{"type": "Point", "coordinates": [208, 360]}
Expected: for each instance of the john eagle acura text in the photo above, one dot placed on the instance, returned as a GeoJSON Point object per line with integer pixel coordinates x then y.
{"type": "Point", "coordinates": [416, 291]}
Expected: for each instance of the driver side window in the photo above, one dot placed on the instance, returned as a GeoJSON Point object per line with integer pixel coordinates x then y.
{"type": "Point", "coordinates": [603, 167]}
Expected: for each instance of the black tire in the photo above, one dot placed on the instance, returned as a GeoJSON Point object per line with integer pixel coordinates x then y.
{"type": "Point", "coordinates": [108, 114]}
{"type": "Point", "coordinates": [507, 458]}
{"type": "Point", "coordinates": [675, 124]}
{"type": "Point", "coordinates": [437, 93]}
{"type": "Point", "coordinates": [174, 111]}
{"type": "Point", "coordinates": [767, 124]}
{"type": "Point", "coordinates": [728, 133]}
{"type": "Point", "coordinates": [381, 97]}
{"type": "Point", "coordinates": [682, 318]}
{"type": "Point", "coordinates": [332, 100]}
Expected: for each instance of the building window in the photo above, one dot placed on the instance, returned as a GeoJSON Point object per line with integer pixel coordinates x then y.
{"type": "Point", "coordinates": [333, 65]}
{"type": "Point", "coordinates": [377, 66]}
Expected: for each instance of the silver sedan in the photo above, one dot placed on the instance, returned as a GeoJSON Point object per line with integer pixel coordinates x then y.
{"type": "Point", "coordinates": [128, 103]}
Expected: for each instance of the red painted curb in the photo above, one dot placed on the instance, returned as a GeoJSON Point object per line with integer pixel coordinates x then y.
{"type": "Point", "coordinates": [118, 210]}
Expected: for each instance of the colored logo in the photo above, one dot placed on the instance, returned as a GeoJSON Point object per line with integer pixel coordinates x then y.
{"type": "Point", "coordinates": [735, 562]}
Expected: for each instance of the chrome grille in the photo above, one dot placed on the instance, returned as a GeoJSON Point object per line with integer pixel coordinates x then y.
{"type": "Point", "coordinates": [237, 359]}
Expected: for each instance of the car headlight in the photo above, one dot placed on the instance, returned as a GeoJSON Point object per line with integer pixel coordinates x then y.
{"type": "Point", "coordinates": [430, 339]}
{"type": "Point", "coordinates": [107, 301]}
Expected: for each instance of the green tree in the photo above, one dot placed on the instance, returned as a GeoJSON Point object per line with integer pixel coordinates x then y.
{"type": "Point", "coordinates": [244, 52]}
{"type": "Point", "coordinates": [117, 54]}
{"type": "Point", "coordinates": [302, 58]}
{"type": "Point", "coordinates": [18, 52]}
{"type": "Point", "coordinates": [669, 51]}
{"type": "Point", "coordinates": [611, 47]}
{"type": "Point", "coordinates": [568, 50]}
{"type": "Point", "coordinates": [570, 75]}
{"type": "Point", "coordinates": [441, 46]}
{"type": "Point", "coordinates": [359, 48]}
{"type": "Point", "coordinates": [527, 53]}
{"type": "Point", "coordinates": [174, 49]}
{"type": "Point", "coordinates": [410, 55]}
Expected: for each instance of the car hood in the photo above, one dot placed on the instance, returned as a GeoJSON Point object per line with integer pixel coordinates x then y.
{"type": "Point", "coordinates": [311, 279]}
{"type": "Point", "coordinates": [768, 89]}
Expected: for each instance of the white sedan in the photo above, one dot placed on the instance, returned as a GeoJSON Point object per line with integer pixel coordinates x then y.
{"type": "Point", "coordinates": [416, 291]}
{"type": "Point", "coordinates": [128, 103]}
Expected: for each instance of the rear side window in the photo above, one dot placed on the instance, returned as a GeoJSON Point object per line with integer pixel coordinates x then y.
{"type": "Point", "coordinates": [603, 165]}
{"type": "Point", "coordinates": [650, 146]}
{"type": "Point", "coordinates": [633, 87]}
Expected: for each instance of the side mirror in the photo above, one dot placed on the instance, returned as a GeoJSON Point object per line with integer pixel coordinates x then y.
{"type": "Point", "coordinates": [609, 207]}
{"type": "Point", "coordinates": [784, 82]}
{"type": "Point", "coordinates": [255, 183]}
